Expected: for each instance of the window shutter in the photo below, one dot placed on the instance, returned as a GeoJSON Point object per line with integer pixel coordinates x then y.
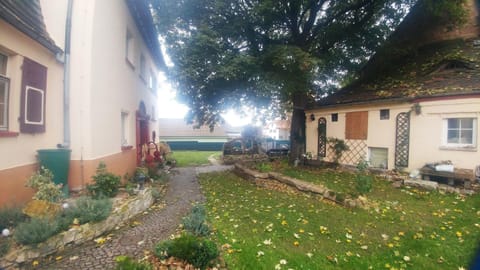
{"type": "Point", "coordinates": [356, 126]}
{"type": "Point", "coordinates": [33, 94]}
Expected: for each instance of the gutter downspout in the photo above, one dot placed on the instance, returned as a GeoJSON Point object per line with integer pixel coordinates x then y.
{"type": "Point", "coordinates": [66, 78]}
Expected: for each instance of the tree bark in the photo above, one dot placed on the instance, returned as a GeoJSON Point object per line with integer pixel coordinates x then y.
{"type": "Point", "coordinates": [297, 128]}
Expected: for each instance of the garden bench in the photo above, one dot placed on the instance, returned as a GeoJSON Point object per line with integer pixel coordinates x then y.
{"type": "Point", "coordinates": [463, 177]}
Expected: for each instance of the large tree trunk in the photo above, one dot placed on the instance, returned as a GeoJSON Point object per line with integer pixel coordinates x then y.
{"type": "Point", "coordinates": [297, 128]}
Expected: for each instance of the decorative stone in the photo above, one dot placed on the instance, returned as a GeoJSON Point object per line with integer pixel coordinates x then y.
{"type": "Point", "coordinates": [6, 232]}
{"type": "Point", "coordinates": [429, 185]}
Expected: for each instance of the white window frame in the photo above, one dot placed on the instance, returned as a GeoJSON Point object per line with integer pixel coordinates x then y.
{"type": "Point", "coordinates": [42, 108]}
{"type": "Point", "coordinates": [459, 146]}
{"type": "Point", "coordinates": [125, 138]}
{"type": "Point", "coordinates": [4, 123]}
{"type": "Point", "coordinates": [130, 48]}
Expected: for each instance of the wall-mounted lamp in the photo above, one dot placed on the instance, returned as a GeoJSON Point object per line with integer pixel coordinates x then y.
{"type": "Point", "coordinates": [312, 117]}
{"type": "Point", "coordinates": [417, 108]}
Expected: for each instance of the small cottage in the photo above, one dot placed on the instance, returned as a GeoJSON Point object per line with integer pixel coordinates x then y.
{"type": "Point", "coordinates": [416, 101]}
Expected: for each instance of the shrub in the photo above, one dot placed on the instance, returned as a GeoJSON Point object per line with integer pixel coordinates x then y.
{"type": "Point", "coordinates": [105, 183]}
{"type": "Point", "coordinates": [339, 147]}
{"type": "Point", "coordinates": [195, 221]}
{"type": "Point", "coordinates": [127, 263]}
{"type": "Point", "coordinates": [364, 181]}
{"type": "Point", "coordinates": [196, 251]}
{"type": "Point", "coordinates": [4, 246]}
{"type": "Point", "coordinates": [42, 181]}
{"type": "Point", "coordinates": [35, 231]}
{"type": "Point", "coordinates": [10, 217]}
{"type": "Point", "coordinates": [264, 167]}
{"type": "Point", "coordinates": [156, 194]}
{"type": "Point", "coordinates": [86, 210]}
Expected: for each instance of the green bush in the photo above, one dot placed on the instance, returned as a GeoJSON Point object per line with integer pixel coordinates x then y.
{"type": "Point", "coordinates": [86, 210]}
{"type": "Point", "coordinates": [10, 217]}
{"type": "Point", "coordinates": [42, 181]}
{"type": "Point", "coordinates": [196, 251]}
{"type": "Point", "coordinates": [127, 263]}
{"type": "Point", "coordinates": [4, 246]}
{"type": "Point", "coordinates": [363, 180]}
{"type": "Point", "coordinates": [264, 167]}
{"type": "Point", "coordinates": [105, 183]}
{"type": "Point", "coordinates": [34, 231]}
{"type": "Point", "coordinates": [195, 221]}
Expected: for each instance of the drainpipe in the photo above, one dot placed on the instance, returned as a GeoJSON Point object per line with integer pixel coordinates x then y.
{"type": "Point", "coordinates": [66, 78]}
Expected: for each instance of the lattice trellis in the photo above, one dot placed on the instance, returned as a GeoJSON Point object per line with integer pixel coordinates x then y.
{"type": "Point", "coordinates": [357, 152]}
{"type": "Point", "coordinates": [402, 140]}
{"type": "Point", "coordinates": [322, 137]}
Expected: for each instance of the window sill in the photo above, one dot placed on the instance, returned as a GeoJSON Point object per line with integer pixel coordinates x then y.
{"type": "Point", "coordinates": [8, 134]}
{"type": "Point", "coordinates": [459, 148]}
{"type": "Point", "coordinates": [127, 147]}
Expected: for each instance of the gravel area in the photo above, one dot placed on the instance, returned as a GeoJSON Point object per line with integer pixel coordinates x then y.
{"type": "Point", "coordinates": [182, 191]}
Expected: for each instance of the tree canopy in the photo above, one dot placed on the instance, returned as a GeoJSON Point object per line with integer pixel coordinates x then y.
{"type": "Point", "coordinates": [228, 53]}
{"type": "Point", "coordinates": [270, 54]}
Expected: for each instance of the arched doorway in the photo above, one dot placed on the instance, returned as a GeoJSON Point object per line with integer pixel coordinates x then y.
{"type": "Point", "coordinates": [142, 130]}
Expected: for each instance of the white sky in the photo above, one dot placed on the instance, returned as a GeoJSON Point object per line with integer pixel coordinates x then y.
{"type": "Point", "coordinates": [168, 106]}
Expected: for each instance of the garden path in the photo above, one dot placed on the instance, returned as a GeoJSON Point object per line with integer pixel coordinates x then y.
{"type": "Point", "coordinates": [182, 190]}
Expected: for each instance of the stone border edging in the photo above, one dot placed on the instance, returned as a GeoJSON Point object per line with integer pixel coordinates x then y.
{"type": "Point", "coordinates": [302, 186]}
{"type": "Point", "coordinates": [120, 213]}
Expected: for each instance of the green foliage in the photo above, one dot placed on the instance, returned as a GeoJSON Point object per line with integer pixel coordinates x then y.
{"type": "Point", "coordinates": [363, 180]}
{"type": "Point", "coordinates": [156, 194]}
{"type": "Point", "coordinates": [10, 217]}
{"type": "Point", "coordinates": [105, 183]}
{"type": "Point", "coordinates": [42, 181]}
{"type": "Point", "coordinates": [196, 251]}
{"type": "Point", "coordinates": [449, 12]}
{"type": "Point", "coordinates": [4, 246]}
{"type": "Point", "coordinates": [127, 263]}
{"type": "Point", "coordinates": [195, 221]}
{"type": "Point", "coordinates": [338, 146]}
{"type": "Point", "coordinates": [264, 167]}
{"type": "Point", "coordinates": [261, 53]}
{"type": "Point", "coordinates": [35, 231]}
{"type": "Point", "coordinates": [86, 209]}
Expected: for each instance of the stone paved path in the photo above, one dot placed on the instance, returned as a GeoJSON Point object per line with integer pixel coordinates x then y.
{"type": "Point", "coordinates": [182, 190]}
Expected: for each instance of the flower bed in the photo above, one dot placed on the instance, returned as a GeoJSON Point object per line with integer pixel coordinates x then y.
{"type": "Point", "coordinates": [123, 210]}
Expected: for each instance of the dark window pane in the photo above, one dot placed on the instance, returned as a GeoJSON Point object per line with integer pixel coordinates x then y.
{"type": "Point", "coordinates": [3, 64]}
{"type": "Point", "coordinates": [452, 136]}
{"type": "Point", "coordinates": [453, 123]}
{"type": "Point", "coordinates": [466, 136]}
{"type": "Point", "coordinates": [334, 117]}
{"type": "Point", "coordinates": [384, 114]}
{"type": "Point", "coordinates": [466, 123]}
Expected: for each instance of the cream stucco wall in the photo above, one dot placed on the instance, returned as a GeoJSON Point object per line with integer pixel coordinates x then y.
{"type": "Point", "coordinates": [426, 130]}
{"type": "Point", "coordinates": [21, 150]}
{"type": "Point", "coordinates": [102, 83]}
{"type": "Point", "coordinates": [18, 150]}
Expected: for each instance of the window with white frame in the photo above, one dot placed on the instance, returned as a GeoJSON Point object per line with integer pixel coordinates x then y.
{"type": "Point", "coordinates": [4, 86]}
{"type": "Point", "coordinates": [125, 139]}
{"type": "Point", "coordinates": [460, 132]}
{"type": "Point", "coordinates": [129, 48]}
{"type": "Point", "coordinates": [142, 66]}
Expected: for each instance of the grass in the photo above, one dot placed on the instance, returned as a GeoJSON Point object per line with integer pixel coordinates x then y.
{"type": "Point", "coordinates": [410, 229]}
{"type": "Point", "coordinates": [193, 158]}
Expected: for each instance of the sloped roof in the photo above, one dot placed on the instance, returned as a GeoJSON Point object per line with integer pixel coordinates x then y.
{"type": "Point", "coordinates": [141, 13]}
{"type": "Point", "coordinates": [26, 16]}
{"type": "Point", "coordinates": [411, 66]}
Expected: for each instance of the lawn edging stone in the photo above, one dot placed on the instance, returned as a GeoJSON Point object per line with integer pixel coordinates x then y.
{"type": "Point", "coordinates": [303, 186]}
{"type": "Point", "coordinates": [122, 211]}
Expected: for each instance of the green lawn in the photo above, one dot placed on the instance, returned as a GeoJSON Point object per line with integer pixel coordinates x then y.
{"type": "Point", "coordinates": [193, 158]}
{"type": "Point", "coordinates": [409, 229]}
